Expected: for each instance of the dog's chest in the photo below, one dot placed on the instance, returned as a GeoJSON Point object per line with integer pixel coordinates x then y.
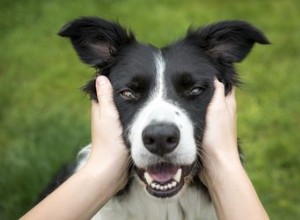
{"type": "Point", "coordinates": [192, 204]}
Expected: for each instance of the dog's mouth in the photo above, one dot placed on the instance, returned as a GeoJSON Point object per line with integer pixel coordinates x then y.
{"type": "Point", "coordinates": [164, 179]}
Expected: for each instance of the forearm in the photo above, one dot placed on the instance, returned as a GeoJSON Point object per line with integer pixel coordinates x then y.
{"type": "Point", "coordinates": [233, 194]}
{"type": "Point", "coordinates": [104, 174]}
{"type": "Point", "coordinates": [80, 197]}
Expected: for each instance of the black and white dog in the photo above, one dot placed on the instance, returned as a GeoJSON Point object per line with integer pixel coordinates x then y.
{"type": "Point", "coordinates": [162, 96]}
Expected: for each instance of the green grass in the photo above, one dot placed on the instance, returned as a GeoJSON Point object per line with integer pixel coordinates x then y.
{"type": "Point", "coordinates": [44, 118]}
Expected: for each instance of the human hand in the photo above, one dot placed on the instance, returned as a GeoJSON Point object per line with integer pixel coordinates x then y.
{"type": "Point", "coordinates": [108, 149]}
{"type": "Point", "coordinates": [220, 135]}
{"type": "Point", "coordinates": [229, 186]}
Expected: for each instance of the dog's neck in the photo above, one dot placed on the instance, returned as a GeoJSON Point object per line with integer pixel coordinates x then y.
{"type": "Point", "coordinates": [137, 204]}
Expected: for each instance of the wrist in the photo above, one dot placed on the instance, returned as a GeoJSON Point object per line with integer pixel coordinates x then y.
{"type": "Point", "coordinates": [110, 172]}
{"type": "Point", "coordinates": [220, 169]}
{"type": "Point", "coordinates": [218, 163]}
{"type": "Point", "coordinates": [232, 192]}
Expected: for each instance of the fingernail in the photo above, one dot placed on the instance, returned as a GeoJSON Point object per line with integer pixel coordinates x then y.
{"type": "Point", "coordinates": [101, 80]}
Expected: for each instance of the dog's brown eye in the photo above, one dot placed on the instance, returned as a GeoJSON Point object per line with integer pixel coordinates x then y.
{"type": "Point", "coordinates": [128, 94]}
{"type": "Point", "coordinates": [195, 91]}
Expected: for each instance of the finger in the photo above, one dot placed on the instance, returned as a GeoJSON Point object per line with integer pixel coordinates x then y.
{"type": "Point", "coordinates": [219, 93]}
{"type": "Point", "coordinates": [105, 97]}
{"type": "Point", "coordinates": [95, 113]}
{"type": "Point", "coordinates": [231, 100]}
{"type": "Point", "coordinates": [104, 91]}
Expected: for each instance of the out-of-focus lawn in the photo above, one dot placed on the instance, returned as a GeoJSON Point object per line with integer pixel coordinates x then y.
{"type": "Point", "coordinates": [44, 118]}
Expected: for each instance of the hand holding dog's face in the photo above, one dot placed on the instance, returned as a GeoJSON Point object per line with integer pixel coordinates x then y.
{"type": "Point", "coordinates": [220, 136]}
{"type": "Point", "coordinates": [107, 141]}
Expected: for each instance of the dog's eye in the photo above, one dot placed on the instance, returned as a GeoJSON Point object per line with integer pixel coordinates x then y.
{"type": "Point", "coordinates": [195, 91]}
{"type": "Point", "coordinates": [128, 94]}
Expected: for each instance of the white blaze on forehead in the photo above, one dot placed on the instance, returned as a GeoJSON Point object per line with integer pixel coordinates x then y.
{"type": "Point", "coordinates": [159, 109]}
{"type": "Point", "coordinates": [160, 69]}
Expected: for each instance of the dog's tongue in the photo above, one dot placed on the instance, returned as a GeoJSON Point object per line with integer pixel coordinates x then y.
{"type": "Point", "coordinates": [163, 173]}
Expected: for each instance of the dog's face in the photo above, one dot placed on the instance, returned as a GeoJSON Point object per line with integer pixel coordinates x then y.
{"type": "Point", "coordinates": [162, 94]}
{"type": "Point", "coordinates": [162, 97]}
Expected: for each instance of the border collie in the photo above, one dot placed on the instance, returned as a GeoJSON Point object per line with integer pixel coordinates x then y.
{"type": "Point", "coordinates": [162, 96]}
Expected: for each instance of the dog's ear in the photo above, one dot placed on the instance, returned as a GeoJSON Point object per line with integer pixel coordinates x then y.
{"type": "Point", "coordinates": [96, 42]}
{"type": "Point", "coordinates": [226, 43]}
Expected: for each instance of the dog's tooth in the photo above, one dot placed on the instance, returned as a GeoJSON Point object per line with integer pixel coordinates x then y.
{"type": "Point", "coordinates": [169, 185]}
{"type": "Point", "coordinates": [165, 187]}
{"type": "Point", "coordinates": [148, 178]}
{"type": "Point", "coordinates": [174, 183]}
{"type": "Point", "coordinates": [177, 176]}
{"type": "Point", "coordinates": [153, 185]}
{"type": "Point", "coordinates": [161, 188]}
{"type": "Point", "coordinates": [157, 186]}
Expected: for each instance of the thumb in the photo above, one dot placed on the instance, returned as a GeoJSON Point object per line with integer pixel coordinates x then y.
{"type": "Point", "coordinates": [105, 96]}
{"type": "Point", "coordinates": [104, 90]}
{"type": "Point", "coordinates": [231, 101]}
{"type": "Point", "coordinates": [219, 94]}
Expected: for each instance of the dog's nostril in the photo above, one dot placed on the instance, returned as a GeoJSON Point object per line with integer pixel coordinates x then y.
{"type": "Point", "coordinates": [172, 140]}
{"type": "Point", "coordinates": [149, 140]}
{"type": "Point", "coordinates": [161, 138]}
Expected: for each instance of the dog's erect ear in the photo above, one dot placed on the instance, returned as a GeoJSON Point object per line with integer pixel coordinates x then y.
{"type": "Point", "coordinates": [95, 40]}
{"type": "Point", "coordinates": [227, 42]}
{"type": "Point", "coordinates": [230, 41]}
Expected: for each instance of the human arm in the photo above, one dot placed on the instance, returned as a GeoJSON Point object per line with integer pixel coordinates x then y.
{"type": "Point", "coordinates": [230, 188]}
{"type": "Point", "coordinates": [104, 174]}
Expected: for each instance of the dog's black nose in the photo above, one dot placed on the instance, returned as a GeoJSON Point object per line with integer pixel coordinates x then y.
{"type": "Point", "coordinates": [161, 138]}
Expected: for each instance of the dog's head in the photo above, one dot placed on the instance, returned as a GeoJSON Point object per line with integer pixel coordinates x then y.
{"type": "Point", "coordinates": [162, 94]}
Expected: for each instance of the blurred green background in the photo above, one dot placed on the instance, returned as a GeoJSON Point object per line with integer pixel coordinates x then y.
{"type": "Point", "coordinates": [44, 117]}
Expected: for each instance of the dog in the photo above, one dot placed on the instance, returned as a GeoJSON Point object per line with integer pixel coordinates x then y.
{"type": "Point", "coordinates": [162, 95]}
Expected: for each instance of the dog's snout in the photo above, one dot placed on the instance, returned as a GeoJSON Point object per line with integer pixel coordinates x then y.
{"type": "Point", "coordinates": [161, 138]}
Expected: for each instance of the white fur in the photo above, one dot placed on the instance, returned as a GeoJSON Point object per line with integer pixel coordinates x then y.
{"type": "Point", "coordinates": [191, 205]}
{"type": "Point", "coordinates": [82, 157]}
{"type": "Point", "coordinates": [159, 109]}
